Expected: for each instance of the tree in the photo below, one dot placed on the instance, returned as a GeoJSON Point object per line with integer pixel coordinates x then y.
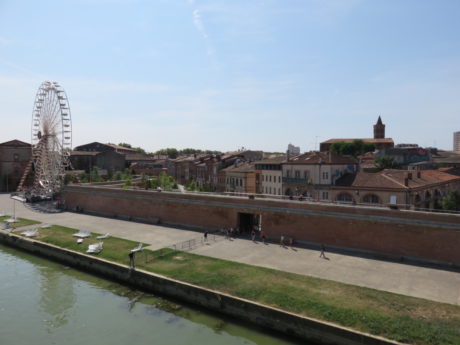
{"type": "Point", "coordinates": [386, 162]}
{"type": "Point", "coordinates": [83, 177]}
{"type": "Point", "coordinates": [355, 148]}
{"type": "Point", "coordinates": [95, 177]}
{"type": "Point", "coordinates": [170, 152]}
{"type": "Point", "coordinates": [128, 146]}
{"type": "Point", "coordinates": [452, 201]}
{"type": "Point", "coordinates": [174, 153]}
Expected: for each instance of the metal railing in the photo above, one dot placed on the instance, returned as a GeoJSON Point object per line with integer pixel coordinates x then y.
{"type": "Point", "coordinates": [184, 246]}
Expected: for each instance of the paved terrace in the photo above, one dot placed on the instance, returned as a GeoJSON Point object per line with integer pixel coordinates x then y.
{"type": "Point", "coordinates": [429, 283]}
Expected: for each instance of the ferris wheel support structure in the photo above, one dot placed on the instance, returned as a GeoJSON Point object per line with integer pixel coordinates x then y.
{"type": "Point", "coordinates": [51, 139]}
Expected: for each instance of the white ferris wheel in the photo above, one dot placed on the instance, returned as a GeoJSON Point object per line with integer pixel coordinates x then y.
{"type": "Point", "coordinates": [51, 141]}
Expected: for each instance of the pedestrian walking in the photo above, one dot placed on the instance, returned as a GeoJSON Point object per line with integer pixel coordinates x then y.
{"type": "Point", "coordinates": [262, 235]}
{"type": "Point", "coordinates": [206, 236]}
{"type": "Point", "coordinates": [132, 257]}
{"type": "Point", "coordinates": [253, 235]}
{"type": "Point", "coordinates": [323, 248]}
{"type": "Point", "coordinates": [282, 241]}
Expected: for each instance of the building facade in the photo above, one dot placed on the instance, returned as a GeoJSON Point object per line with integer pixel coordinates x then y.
{"type": "Point", "coordinates": [100, 147]}
{"type": "Point", "coordinates": [293, 150]}
{"type": "Point", "coordinates": [312, 174]}
{"type": "Point", "coordinates": [456, 148]}
{"type": "Point", "coordinates": [271, 175]}
{"type": "Point", "coordinates": [422, 189]}
{"type": "Point", "coordinates": [14, 157]}
{"type": "Point", "coordinates": [242, 178]}
{"type": "Point", "coordinates": [107, 161]}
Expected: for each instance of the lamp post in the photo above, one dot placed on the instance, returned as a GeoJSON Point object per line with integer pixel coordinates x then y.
{"type": "Point", "coordinates": [16, 198]}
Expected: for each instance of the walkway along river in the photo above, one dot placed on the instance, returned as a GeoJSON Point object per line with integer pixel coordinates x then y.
{"type": "Point", "coordinates": [42, 302]}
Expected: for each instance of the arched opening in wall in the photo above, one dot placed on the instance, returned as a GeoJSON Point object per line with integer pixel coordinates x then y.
{"type": "Point", "coordinates": [437, 199]}
{"type": "Point", "coordinates": [247, 222]}
{"type": "Point", "coordinates": [417, 200]}
{"type": "Point", "coordinates": [427, 199]}
{"type": "Point", "coordinates": [371, 199]}
{"type": "Point", "coordinates": [345, 198]}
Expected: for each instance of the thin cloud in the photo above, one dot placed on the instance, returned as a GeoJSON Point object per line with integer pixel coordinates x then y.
{"type": "Point", "coordinates": [198, 22]}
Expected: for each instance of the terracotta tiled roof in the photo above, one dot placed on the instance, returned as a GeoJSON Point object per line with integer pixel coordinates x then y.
{"type": "Point", "coordinates": [395, 179]}
{"type": "Point", "coordinates": [321, 158]}
{"type": "Point", "coordinates": [273, 160]}
{"type": "Point", "coordinates": [240, 167]}
{"type": "Point", "coordinates": [118, 147]}
{"type": "Point", "coordinates": [141, 157]}
{"type": "Point", "coordinates": [15, 142]}
{"type": "Point", "coordinates": [84, 153]}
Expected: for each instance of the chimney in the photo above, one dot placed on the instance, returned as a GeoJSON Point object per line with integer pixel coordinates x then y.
{"type": "Point", "coordinates": [406, 182]}
{"type": "Point", "coordinates": [288, 156]}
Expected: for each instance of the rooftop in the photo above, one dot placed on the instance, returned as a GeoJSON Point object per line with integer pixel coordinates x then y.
{"type": "Point", "coordinates": [395, 179]}
{"type": "Point", "coordinates": [321, 158]}
{"type": "Point", "coordinates": [366, 140]}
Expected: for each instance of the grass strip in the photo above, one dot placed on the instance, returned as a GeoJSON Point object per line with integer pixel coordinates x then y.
{"type": "Point", "coordinates": [20, 222]}
{"type": "Point", "coordinates": [397, 317]}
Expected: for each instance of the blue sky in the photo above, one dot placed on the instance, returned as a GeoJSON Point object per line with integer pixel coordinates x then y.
{"type": "Point", "coordinates": [227, 74]}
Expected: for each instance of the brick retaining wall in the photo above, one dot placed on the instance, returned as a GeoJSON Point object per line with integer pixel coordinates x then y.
{"type": "Point", "coordinates": [426, 236]}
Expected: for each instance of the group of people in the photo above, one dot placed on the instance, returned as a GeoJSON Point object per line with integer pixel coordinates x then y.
{"type": "Point", "coordinates": [284, 240]}
{"type": "Point", "coordinates": [230, 232]}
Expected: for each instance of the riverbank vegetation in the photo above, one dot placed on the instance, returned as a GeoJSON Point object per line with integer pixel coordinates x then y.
{"type": "Point", "coordinates": [397, 317]}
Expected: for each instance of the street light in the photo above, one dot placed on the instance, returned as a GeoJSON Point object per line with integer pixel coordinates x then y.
{"type": "Point", "coordinates": [16, 198]}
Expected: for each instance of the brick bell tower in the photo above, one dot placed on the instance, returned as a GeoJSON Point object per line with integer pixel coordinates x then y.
{"type": "Point", "coordinates": [379, 129]}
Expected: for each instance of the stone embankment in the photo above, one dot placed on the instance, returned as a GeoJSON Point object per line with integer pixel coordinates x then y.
{"type": "Point", "coordinates": [291, 324]}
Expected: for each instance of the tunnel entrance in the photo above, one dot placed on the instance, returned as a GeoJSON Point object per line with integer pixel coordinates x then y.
{"type": "Point", "coordinates": [248, 222]}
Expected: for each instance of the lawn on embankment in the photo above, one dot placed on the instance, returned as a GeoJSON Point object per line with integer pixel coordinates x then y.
{"type": "Point", "coordinates": [402, 318]}
{"type": "Point", "coordinates": [20, 222]}
{"type": "Point", "coordinates": [114, 249]}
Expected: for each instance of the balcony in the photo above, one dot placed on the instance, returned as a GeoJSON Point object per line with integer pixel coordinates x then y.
{"type": "Point", "coordinates": [295, 180]}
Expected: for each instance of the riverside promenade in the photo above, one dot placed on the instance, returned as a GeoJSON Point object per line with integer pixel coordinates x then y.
{"type": "Point", "coordinates": [430, 283]}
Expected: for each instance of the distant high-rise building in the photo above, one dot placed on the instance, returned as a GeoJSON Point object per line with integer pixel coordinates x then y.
{"type": "Point", "coordinates": [379, 129]}
{"type": "Point", "coordinates": [293, 150]}
{"type": "Point", "coordinates": [457, 142]}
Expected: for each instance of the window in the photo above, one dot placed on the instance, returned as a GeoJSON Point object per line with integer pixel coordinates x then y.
{"type": "Point", "coordinates": [270, 178]}
{"type": "Point", "coordinates": [305, 175]}
{"type": "Point", "coordinates": [270, 190]}
{"type": "Point", "coordinates": [279, 179]}
{"type": "Point", "coordinates": [325, 175]}
{"type": "Point", "coordinates": [325, 195]}
{"type": "Point", "coordinates": [371, 199]}
{"type": "Point", "coordinates": [344, 197]}
{"type": "Point", "coordinates": [279, 191]}
{"type": "Point", "coordinates": [288, 173]}
{"type": "Point", "coordinates": [297, 174]}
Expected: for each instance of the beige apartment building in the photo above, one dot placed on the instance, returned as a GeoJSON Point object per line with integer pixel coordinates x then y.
{"type": "Point", "coordinates": [271, 175]}
{"type": "Point", "coordinates": [241, 177]}
{"type": "Point", "coordinates": [313, 173]}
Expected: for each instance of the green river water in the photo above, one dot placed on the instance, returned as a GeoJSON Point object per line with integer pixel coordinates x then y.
{"type": "Point", "coordinates": [44, 303]}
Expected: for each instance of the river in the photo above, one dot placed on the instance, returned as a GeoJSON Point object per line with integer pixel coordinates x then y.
{"type": "Point", "coordinates": [43, 303]}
